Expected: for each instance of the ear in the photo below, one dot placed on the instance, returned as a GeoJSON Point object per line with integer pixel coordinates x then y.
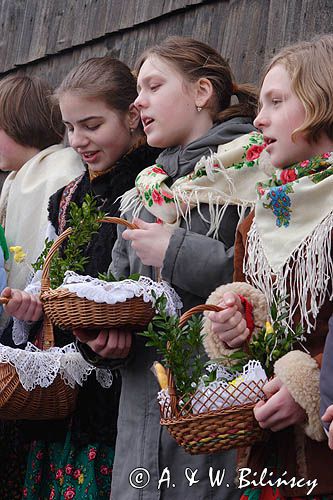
{"type": "Point", "coordinates": [203, 93]}
{"type": "Point", "coordinates": [133, 117]}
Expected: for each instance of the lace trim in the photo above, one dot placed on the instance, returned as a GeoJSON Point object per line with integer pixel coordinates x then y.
{"type": "Point", "coordinates": [119, 291]}
{"type": "Point", "coordinates": [40, 368]}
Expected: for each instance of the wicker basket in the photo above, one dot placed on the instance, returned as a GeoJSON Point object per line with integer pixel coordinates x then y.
{"type": "Point", "coordinates": [42, 403]}
{"type": "Point", "coordinates": [211, 431]}
{"type": "Point", "coordinates": [67, 310]}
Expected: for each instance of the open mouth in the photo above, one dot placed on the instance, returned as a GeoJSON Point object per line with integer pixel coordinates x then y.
{"type": "Point", "coordinates": [147, 121]}
{"type": "Point", "coordinates": [269, 140]}
{"type": "Point", "coordinates": [89, 156]}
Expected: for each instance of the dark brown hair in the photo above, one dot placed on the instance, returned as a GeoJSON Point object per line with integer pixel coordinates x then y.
{"type": "Point", "coordinates": [195, 60]}
{"type": "Point", "coordinates": [27, 113]}
{"type": "Point", "coordinates": [102, 78]}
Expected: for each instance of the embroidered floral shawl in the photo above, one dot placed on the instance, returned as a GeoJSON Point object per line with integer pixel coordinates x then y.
{"type": "Point", "coordinates": [290, 240]}
{"type": "Point", "coordinates": [226, 177]}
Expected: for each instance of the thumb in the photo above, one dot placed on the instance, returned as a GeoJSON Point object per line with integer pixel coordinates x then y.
{"type": "Point", "coordinates": [231, 299]}
{"type": "Point", "coordinates": [6, 292]}
{"type": "Point", "coordinates": [141, 223]}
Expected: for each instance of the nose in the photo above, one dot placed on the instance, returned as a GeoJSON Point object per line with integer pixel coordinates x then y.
{"type": "Point", "coordinates": [260, 120]}
{"type": "Point", "coordinates": [77, 139]}
{"type": "Point", "coordinates": [140, 102]}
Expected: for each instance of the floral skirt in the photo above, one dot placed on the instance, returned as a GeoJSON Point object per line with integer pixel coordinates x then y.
{"type": "Point", "coordinates": [13, 460]}
{"type": "Point", "coordinates": [61, 471]}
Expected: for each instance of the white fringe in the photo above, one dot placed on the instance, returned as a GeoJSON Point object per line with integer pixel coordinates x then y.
{"type": "Point", "coordinates": [304, 279]}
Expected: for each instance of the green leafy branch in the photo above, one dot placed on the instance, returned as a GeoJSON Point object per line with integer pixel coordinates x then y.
{"type": "Point", "coordinates": [84, 222]}
{"type": "Point", "coordinates": [180, 347]}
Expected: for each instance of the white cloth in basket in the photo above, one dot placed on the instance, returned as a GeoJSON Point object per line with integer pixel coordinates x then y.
{"type": "Point", "coordinates": [222, 393]}
{"type": "Point", "coordinates": [112, 292]}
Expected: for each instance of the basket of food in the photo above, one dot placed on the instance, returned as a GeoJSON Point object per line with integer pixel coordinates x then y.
{"type": "Point", "coordinates": [207, 407]}
{"type": "Point", "coordinates": [84, 302]}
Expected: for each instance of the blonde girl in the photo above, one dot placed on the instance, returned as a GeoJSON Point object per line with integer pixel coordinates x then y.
{"type": "Point", "coordinates": [286, 247]}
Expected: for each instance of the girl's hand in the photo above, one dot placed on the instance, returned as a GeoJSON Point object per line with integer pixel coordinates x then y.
{"type": "Point", "coordinates": [22, 305]}
{"type": "Point", "coordinates": [230, 324]}
{"type": "Point", "coordinates": [328, 417]}
{"type": "Point", "coordinates": [112, 344]}
{"type": "Point", "coordinates": [281, 410]}
{"type": "Point", "coordinates": [150, 241]}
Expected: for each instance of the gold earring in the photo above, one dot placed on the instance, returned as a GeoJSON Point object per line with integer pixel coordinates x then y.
{"type": "Point", "coordinates": [199, 109]}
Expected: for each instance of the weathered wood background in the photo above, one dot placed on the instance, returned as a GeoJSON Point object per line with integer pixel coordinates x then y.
{"type": "Point", "coordinates": [49, 37]}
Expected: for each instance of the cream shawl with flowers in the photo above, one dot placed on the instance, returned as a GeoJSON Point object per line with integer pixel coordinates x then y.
{"type": "Point", "coordinates": [290, 241]}
{"type": "Point", "coordinates": [227, 176]}
{"type": "Point", "coordinates": [24, 199]}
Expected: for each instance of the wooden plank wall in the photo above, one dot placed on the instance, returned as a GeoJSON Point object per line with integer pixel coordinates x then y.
{"type": "Point", "coordinates": [49, 37]}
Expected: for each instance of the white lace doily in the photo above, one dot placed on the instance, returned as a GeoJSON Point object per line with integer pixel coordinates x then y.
{"type": "Point", "coordinates": [39, 368]}
{"type": "Point", "coordinates": [119, 291]}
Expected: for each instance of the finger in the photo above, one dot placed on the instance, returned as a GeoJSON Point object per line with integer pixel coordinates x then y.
{"type": "Point", "coordinates": [128, 234]}
{"type": "Point", "coordinates": [328, 415]}
{"type": "Point", "coordinates": [99, 343]}
{"type": "Point", "coordinates": [85, 335]}
{"type": "Point", "coordinates": [238, 337]}
{"type": "Point", "coordinates": [6, 292]}
{"type": "Point", "coordinates": [272, 387]}
{"type": "Point", "coordinates": [141, 223]}
{"type": "Point", "coordinates": [330, 436]}
{"type": "Point", "coordinates": [34, 310]}
{"type": "Point", "coordinates": [221, 316]}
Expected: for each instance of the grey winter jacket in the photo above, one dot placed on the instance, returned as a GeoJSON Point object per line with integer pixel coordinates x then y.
{"type": "Point", "coordinates": [149, 465]}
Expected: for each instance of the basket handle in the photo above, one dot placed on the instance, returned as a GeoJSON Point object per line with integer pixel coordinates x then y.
{"type": "Point", "coordinates": [45, 282]}
{"type": "Point", "coordinates": [182, 322]}
{"type": "Point", "coordinates": [48, 336]}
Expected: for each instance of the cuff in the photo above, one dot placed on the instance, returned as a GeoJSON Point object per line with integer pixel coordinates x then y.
{"type": "Point", "coordinates": [300, 374]}
{"type": "Point", "coordinates": [213, 345]}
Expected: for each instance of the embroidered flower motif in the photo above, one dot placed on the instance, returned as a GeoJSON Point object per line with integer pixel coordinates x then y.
{"type": "Point", "coordinates": [59, 474]}
{"type": "Point", "coordinates": [280, 204]}
{"type": "Point", "coordinates": [69, 469]}
{"type": "Point", "coordinates": [39, 455]}
{"type": "Point", "coordinates": [52, 494]}
{"type": "Point", "coordinates": [326, 156]}
{"type": "Point", "coordinates": [104, 470]}
{"type": "Point", "coordinates": [157, 198]}
{"type": "Point", "coordinates": [305, 163]}
{"type": "Point", "coordinates": [158, 170]}
{"type": "Point", "coordinates": [92, 454]}
{"type": "Point", "coordinates": [288, 175]}
{"type": "Point", "coordinates": [69, 493]}
{"type": "Point", "coordinates": [254, 152]}
{"type": "Point", "coordinates": [76, 473]}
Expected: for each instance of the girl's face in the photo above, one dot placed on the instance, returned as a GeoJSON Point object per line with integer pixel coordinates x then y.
{"type": "Point", "coordinates": [100, 136]}
{"type": "Point", "coordinates": [12, 154]}
{"type": "Point", "coordinates": [281, 113]}
{"type": "Point", "coordinates": [167, 106]}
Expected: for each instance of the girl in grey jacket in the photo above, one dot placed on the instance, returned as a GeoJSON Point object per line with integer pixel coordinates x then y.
{"type": "Point", "coordinates": [184, 93]}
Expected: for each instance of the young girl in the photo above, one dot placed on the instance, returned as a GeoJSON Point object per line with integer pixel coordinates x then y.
{"type": "Point", "coordinates": [31, 132]}
{"type": "Point", "coordinates": [96, 100]}
{"type": "Point", "coordinates": [185, 89]}
{"type": "Point", "coordinates": [286, 247]}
